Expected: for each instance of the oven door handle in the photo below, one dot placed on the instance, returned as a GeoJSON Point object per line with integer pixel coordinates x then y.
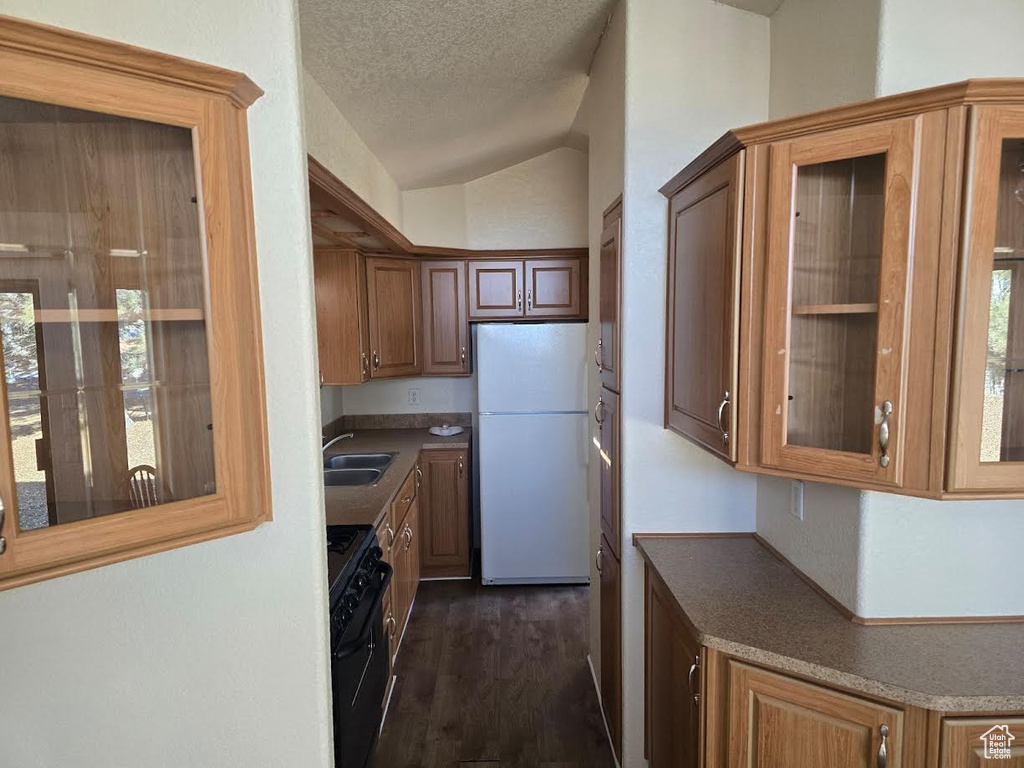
{"type": "Point", "coordinates": [345, 650]}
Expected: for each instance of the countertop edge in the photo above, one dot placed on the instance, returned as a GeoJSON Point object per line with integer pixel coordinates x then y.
{"type": "Point", "coordinates": [821, 674]}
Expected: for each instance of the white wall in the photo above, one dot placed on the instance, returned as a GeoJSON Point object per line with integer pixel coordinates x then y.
{"type": "Point", "coordinates": [600, 126]}
{"type": "Point", "coordinates": [215, 654]}
{"type": "Point", "coordinates": [435, 216]}
{"type": "Point", "coordinates": [824, 53]}
{"type": "Point", "coordinates": [437, 395]}
{"type": "Point", "coordinates": [332, 141]}
{"type": "Point", "coordinates": [694, 68]}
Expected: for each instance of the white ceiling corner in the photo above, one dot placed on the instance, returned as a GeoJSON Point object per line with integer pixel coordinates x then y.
{"type": "Point", "coordinates": [445, 92]}
{"type": "Point", "coordinates": [762, 7]}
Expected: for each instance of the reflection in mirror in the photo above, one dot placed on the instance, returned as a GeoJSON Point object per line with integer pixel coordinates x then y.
{"type": "Point", "coordinates": [102, 313]}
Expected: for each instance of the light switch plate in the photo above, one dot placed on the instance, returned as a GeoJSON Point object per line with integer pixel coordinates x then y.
{"type": "Point", "coordinates": [796, 499]}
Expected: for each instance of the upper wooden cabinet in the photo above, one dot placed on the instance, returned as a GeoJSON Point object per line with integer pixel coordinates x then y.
{"type": "Point", "coordinates": [393, 307]}
{"type": "Point", "coordinates": [875, 343]}
{"type": "Point", "coordinates": [129, 305]}
{"type": "Point", "coordinates": [495, 290]}
{"type": "Point", "coordinates": [608, 354]}
{"type": "Point", "coordinates": [554, 288]}
{"type": "Point", "coordinates": [343, 339]}
{"type": "Point", "coordinates": [546, 288]}
{"type": "Point", "coordinates": [446, 346]}
{"type": "Point", "coordinates": [703, 320]}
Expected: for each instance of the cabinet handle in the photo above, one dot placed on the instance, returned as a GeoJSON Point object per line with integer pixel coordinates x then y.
{"type": "Point", "coordinates": [463, 357]}
{"type": "Point", "coordinates": [408, 537]}
{"type": "Point", "coordinates": [366, 365]}
{"type": "Point", "coordinates": [883, 747]}
{"type": "Point", "coordinates": [406, 499]}
{"type": "Point", "coordinates": [419, 477]}
{"type": "Point", "coordinates": [599, 411]}
{"type": "Point", "coordinates": [598, 558]}
{"type": "Point", "coordinates": [721, 411]}
{"type": "Point", "coordinates": [391, 535]}
{"type": "Point", "coordinates": [3, 540]}
{"type": "Point", "coordinates": [529, 300]}
{"type": "Point", "coordinates": [392, 625]}
{"type": "Point", "coordinates": [321, 379]}
{"type": "Point", "coordinates": [376, 360]}
{"type": "Point", "coordinates": [462, 467]}
{"type": "Point", "coordinates": [694, 669]}
{"type": "Point", "coordinates": [599, 355]}
{"type": "Point", "coordinates": [883, 434]}
{"type": "Point", "coordinates": [519, 300]}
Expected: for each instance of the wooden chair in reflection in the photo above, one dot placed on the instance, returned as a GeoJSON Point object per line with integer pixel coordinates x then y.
{"type": "Point", "coordinates": [143, 490]}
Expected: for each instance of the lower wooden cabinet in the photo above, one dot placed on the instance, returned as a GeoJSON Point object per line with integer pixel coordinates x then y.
{"type": "Point", "coordinates": [973, 742]}
{"type": "Point", "coordinates": [608, 420]}
{"type": "Point", "coordinates": [611, 643]}
{"type": "Point", "coordinates": [444, 514]}
{"type": "Point", "coordinates": [407, 566]}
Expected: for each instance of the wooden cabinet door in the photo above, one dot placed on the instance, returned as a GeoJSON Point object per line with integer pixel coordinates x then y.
{"type": "Point", "coordinates": [987, 441]}
{"type": "Point", "coordinates": [608, 420]}
{"type": "Point", "coordinates": [780, 722]}
{"type": "Point", "coordinates": [343, 341]}
{"type": "Point", "coordinates": [495, 290]}
{"type": "Point", "coordinates": [393, 300]}
{"type": "Point", "coordinates": [410, 544]}
{"type": "Point", "coordinates": [446, 347]}
{"type": "Point", "coordinates": [673, 682]}
{"type": "Point", "coordinates": [607, 355]}
{"type": "Point", "coordinates": [841, 216]}
{"type": "Point", "coordinates": [703, 308]}
{"type": "Point", "coordinates": [611, 644]}
{"type": "Point", "coordinates": [554, 288]}
{"type": "Point", "coordinates": [444, 514]}
{"type": "Point", "coordinates": [982, 742]}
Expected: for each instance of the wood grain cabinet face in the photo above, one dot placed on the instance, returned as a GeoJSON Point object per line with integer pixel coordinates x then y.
{"type": "Point", "coordinates": [446, 347]}
{"type": "Point", "coordinates": [780, 722]}
{"type": "Point", "coordinates": [553, 288]}
{"type": "Point", "coordinates": [982, 742]}
{"type": "Point", "coordinates": [611, 644]}
{"type": "Point", "coordinates": [129, 300]}
{"type": "Point", "coordinates": [606, 414]}
{"type": "Point", "coordinates": [703, 308]}
{"type": "Point", "coordinates": [987, 447]}
{"type": "Point", "coordinates": [444, 513]}
{"type": "Point", "coordinates": [343, 340]}
{"type": "Point", "coordinates": [393, 301]}
{"type": "Point", "coordinates": [495, 290]}
{"type": "Point", "coordinates": [841, 210]}
{"type": "Point", "coordinates": [607, 355]}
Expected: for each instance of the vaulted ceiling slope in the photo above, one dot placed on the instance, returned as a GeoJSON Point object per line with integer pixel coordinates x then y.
{"type": "Point", "coordinates": [444, 91]}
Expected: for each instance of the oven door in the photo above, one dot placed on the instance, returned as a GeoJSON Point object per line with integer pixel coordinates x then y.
{"type": "Point", "coordinates": [359, 675]}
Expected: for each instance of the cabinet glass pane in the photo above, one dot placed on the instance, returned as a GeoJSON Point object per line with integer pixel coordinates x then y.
{"type": "Point", "coordinates": [835, 256]}
{"type": "Point", "coordinates": [102, 307]}
{"type": "Point", "coordinates": [1002, 432]}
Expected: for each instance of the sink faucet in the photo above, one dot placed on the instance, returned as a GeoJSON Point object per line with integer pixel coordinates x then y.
{"type": "Point", "coordinates": [329, 443]}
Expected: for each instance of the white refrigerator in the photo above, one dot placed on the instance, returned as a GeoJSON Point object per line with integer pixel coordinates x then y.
{"type": "Point", "coordinates": [532, 401]}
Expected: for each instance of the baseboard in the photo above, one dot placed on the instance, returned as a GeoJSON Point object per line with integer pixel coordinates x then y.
{"type": "Point", "coordinates": [600, 706]}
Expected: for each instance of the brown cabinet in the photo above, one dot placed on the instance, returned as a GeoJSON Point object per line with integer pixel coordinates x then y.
{"type": "Point", "coordinates": [446, 347]}
{"type": "Point", "coordinates": [779, 722]}
{"type": "Point", "coordinates": [343, 339]}
{"type": "Point", "coordinates": [495, 290]}
{"type": "Point", "coordinates": [703, 306]}
{"type": "Point", "coordinates": [554, 288]}
{"type": "Point", "coordinates": [394, 317]}
{"type": "Point", "coordinates": [407, 568]}
{"type": "Point", "coordinates": [982, 742]}
{"type": "Point", "coordinates": [444, 514]}
{"type": "Point", "coordinates": [606, 413]}
{"type": "Point", "coordinates": [611, 643]}
{"type": "Point", "coordinates": [607, 356]}
{"type": "Point", "coordinates": [673, 683]}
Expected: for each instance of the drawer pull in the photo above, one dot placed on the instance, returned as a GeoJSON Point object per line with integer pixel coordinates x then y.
{"type": "Point", "coordinates": [690, 676]}
{"type": "Point", "coordinates": [883, 747]}
{"type": "Point", "coordinates": [721, 412]}
{"type": "Point", "coordinates": [883, 434]}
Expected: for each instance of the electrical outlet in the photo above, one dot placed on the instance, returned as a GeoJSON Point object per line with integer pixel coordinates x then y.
{"type": "Point", "coordinates": [414, 396]}
{"type": "Point", "coordinates": [796, 499]}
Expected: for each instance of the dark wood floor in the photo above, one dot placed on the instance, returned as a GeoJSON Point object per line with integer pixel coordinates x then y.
{"type": "Point", "coordinates": [494, 677]}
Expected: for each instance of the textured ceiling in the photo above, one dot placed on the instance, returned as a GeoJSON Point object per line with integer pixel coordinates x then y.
{"type": "Point", "coordinates": [444, 91]}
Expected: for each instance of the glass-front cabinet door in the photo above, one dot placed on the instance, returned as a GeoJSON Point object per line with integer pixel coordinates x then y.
{"type": "Point", "coordinates": [987, 446]}
{"type": "Point", "coordinates": [841, 207]}
{"type": "Point", "coordinates": [128, 342]}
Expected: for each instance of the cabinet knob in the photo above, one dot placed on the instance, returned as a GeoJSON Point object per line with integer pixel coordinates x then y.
{"type": "Point", "coordinates": [883, 434]}
{"type": "Point", "coordinates": [883, 747]}
{"type": "Point", "coordinates": [721, 411]}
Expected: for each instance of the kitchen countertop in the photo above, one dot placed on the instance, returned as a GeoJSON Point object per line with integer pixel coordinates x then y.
{"type": "Point", "coordinates": [743, 600]}
{"type": "Point", "coordinates": [367, 504]}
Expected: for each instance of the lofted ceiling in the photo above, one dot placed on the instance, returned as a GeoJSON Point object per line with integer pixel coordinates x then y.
{"type": "Point", "coordinates": [447, 91]}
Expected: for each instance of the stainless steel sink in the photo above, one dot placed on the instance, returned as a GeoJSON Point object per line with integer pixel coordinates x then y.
{"type": "Point", "coordinates": [351, 477]}
{"type": "Point", "coordinates": [379, 461]}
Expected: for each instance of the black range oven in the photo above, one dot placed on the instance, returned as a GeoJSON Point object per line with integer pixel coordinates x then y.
{"type": "Point", "coordinates": [358, 579]}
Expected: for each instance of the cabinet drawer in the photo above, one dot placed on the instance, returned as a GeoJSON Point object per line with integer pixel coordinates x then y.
{"type": "Point", "coordinates": [403, 500]}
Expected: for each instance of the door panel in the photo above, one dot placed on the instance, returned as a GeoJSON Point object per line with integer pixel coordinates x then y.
{"type": "Point", "coordinates": [608, 420]}
{"type": "Point", "coordinates": [608, 355]}
{"type": "Point", "coordinates": [841, 213]}
{"type": "Point", "coordinates": [393, 295]}
{"type": "Point", "coordinates": [703, 321]}
{"type": "Point", "coordinates": [981, 742]}
{"type": "Point", "coordinates": [339, 277]}
{"type": "Point", "coordinates": [611, 645]}
{"type": "Point", "coordinates": [446, 347]}
{"type": "Point", "coordinates": [495, 289]}
{"type": "Point", "coordinates": [444, 513]}
{"type": "Point", "coordinates": [553, 288]}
